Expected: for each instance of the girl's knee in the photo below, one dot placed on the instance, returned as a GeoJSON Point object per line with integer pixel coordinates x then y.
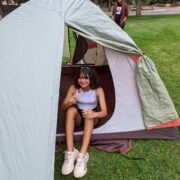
{"type": "Point", "coordinates": [72, 110]}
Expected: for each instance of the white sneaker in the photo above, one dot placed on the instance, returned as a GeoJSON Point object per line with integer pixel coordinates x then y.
{"type": "Point", "coordinates": [69, 159]}
{"type": "Point", "coordinates": [81, 165]}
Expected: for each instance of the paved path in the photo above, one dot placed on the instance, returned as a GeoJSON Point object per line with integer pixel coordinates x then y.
{"type": "Point", "coordinates": [156, 11]}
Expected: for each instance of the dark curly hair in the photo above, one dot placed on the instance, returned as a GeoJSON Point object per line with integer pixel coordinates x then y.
{"type": "Point", "coordinates": [89, 72]}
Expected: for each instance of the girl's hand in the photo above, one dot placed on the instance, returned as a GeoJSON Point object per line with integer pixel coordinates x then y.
{"type": "Point", "coordinates": [72, 100]}
{"type": "Point", "coordinates": [90, 114]}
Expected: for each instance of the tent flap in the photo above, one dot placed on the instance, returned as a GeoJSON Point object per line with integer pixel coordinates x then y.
{"type": "Point", "coordinates": [92, 23]}
{"type": "Point", "coordinates": [157, 105]}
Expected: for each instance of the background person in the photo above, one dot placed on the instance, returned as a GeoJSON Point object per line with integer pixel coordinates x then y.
{"type": "Point", "coordinates": [120, 13]}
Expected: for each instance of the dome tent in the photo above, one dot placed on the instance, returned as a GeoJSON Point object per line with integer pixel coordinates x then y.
{"type": "Point", "coordinates": [30, 60]}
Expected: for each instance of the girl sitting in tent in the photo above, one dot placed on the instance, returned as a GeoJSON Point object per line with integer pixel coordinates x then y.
{"type": "Point", "coordinates": [80, 104]}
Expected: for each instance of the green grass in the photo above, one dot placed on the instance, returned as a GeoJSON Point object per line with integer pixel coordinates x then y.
{"type": "Point", "coordinates": [159, 38]}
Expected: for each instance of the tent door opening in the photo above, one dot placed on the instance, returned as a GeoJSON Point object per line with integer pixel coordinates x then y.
{"type": "Point", "coordinates": [85, 52]}
{"type": "Point", "coordinates": [106, 82]}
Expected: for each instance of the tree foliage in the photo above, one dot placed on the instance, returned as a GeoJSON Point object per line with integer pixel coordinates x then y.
{"type": "Point", "coordinates": [6, 6]}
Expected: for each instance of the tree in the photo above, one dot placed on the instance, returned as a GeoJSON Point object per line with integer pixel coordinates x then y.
{"type": "Point", "coordinates": [138, 7]}
{"type": "Point", "coordinates": [6, 6]}
{"type": "Point", "coordinates": [109, 5]}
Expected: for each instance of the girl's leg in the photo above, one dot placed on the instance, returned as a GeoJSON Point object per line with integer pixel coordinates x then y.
{"type": "Point", "coordinates": [81, 164]}
{"type": "Point", "coordinates": [88, 127]}
{"type": "Point", "coordinates": [72, 117]}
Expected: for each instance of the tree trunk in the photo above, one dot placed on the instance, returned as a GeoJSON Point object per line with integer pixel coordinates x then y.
{"type": "Point", "coordinates": [95, 2]}
{"type": "Point", "coordinates": [1, 9]}
{"type": "Point", "coordinates": [138, 7]}
{"type": "Point", "coordinates": [109, 5]}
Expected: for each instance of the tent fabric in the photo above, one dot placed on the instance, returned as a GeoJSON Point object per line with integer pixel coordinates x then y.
{"type": "Point", "coordinates": [120, 141]}
{"type": "Point", "coordinates": [118, 46]}
{"type": "Point", "coordinates": [157, 105]}
{"type": "Point", "coordinates": [127, 110]}
{"type": "Point", "coordinates": [164, 133]}
{"type": "Point", "coordinates": [111, 145]}
{"type": "Point", "coordinates": [30, 59]}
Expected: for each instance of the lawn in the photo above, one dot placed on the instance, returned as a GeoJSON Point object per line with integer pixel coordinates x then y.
{"type": "Point", "coordinates": [159, 38]}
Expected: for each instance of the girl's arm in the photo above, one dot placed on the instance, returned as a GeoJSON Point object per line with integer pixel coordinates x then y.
{"type": "Point", "coordinates": [103, 109]}
{"type": "Point", "coordinates": [70, 98]}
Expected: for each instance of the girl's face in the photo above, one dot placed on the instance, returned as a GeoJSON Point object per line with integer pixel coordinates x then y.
{"type": "Point", "coordinates": [84, 81]}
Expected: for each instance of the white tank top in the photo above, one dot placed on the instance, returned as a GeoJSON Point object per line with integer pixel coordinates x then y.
{"type": "Point", "coordinates": [86, 100]}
